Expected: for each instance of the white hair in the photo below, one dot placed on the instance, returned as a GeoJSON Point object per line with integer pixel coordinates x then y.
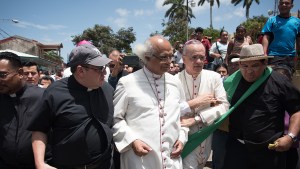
{"type": "Point", "coordinates": [145, 49]}
{"type": "Point", "coordinates": [190, 42]}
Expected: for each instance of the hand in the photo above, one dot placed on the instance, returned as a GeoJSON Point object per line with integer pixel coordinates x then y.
{"type": "Point", "coordinates": [218, 55]}
{"type": "Point", "coordinates": [117, 67]}
{"type": "Point", "coordinates": [140, 148]}
{"type": "Point", "coordinates": [45, 166]}
{"type": "Point", "coordinates": [178, 146]}
{"type": "Point", "coordinates": [186, 121]}
{"type": "Point", "coordinates": [206, 100]}
{"type": "Point", "coordinates": [282, 144]}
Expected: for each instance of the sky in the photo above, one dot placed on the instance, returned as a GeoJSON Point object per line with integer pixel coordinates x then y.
{"type": "Point", "coordinates": [56, 21]}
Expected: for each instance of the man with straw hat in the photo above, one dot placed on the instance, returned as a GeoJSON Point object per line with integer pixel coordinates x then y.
{"type": "Point", "coordinates": [259, 98]}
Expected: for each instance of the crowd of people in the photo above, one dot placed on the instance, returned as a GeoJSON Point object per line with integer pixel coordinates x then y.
{"type": "Point", "coordinates": [233, 98]}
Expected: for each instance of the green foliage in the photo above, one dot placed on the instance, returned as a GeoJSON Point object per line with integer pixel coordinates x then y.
{"type": "Point", "coordinates": [105, 39]}
{"type": "Point", "coordinates": [175, 28]}
{"type": "Point", "coordinates": [213, 33]}
{"type": "Point", "coordinates": [212, 2]}
{"type": "Point", "coordinates": [175, 31]}
{"type": "Point", "coordinates": [178, 10]}
{"type": "Point", "coordinates": [52, 55]}
{"type": "Point", "coordinates": [254, 26]}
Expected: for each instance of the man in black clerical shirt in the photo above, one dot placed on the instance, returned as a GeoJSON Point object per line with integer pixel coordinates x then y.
{"type": "Point", "coordinates": [256, 125]}
{"type": "Point", "coordinates": [18, 102]}
{"type": "Point", "coordinates": [78, 110]}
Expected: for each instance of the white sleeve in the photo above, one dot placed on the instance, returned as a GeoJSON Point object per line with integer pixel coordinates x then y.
{"type": "Point", "coordinates": [122, 134]}
{"type": "Point", "coordinates": [211, 114]}
{"type": "Point", "coordinates": [184, 108]}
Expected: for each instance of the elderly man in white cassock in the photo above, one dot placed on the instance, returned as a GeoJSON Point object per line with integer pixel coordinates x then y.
{"type": "Point", "coordinates": [206, 97]}
{"type": "Point", "coordinates": [148, 104]}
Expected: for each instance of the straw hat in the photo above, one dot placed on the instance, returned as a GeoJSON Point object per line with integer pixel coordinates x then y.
{"type": "Point", "coordinates": [251, 52]}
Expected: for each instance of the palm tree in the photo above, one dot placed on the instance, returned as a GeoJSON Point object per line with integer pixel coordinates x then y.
{"type": "Point", "coordinates": [178, 10]}
{"type": "Point", "coordinates": [211, 4]}
{"type": "Point", "coordinates": [247, 4]}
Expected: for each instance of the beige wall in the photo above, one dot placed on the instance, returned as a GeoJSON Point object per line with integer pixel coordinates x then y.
{"type": "Point", "coordinates": [21, 46]}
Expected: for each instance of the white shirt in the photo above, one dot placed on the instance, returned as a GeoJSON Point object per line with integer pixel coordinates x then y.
{"type": "Point", "coordinates": [222, 48]}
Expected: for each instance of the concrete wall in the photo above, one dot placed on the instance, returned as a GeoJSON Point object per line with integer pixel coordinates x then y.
{"type": "Point", "coordinates": [21, 46]}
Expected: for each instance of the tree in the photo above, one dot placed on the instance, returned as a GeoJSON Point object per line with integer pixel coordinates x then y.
{"type": "Point", "coordinates": [213, 33]}
{"type": "Point", "coordinates": [247, 4]}
{"type": "Point", "coordinates": [53, 56]}
{"type": "Point", "coordinates": [125, 37]}
{"type": "Point", "coordinates": [175, 30]}
{"type": "Point", "coordinates": [211, 4]}
{"type": "Point", "coordinates": [178, 10]}
{"type": "Point", "coordinates": [105, 40]}
{"type": "Point", "coordinates": [180, 13]}
{"type": "Point", "coordinates": [254, 26]}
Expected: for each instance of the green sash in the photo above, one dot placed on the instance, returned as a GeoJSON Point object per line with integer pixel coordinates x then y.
{"type": "Point", "coordinates": [230, 86]}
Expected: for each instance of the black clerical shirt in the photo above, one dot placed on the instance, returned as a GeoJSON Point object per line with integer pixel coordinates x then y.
{"type": "Point", "coordinates": [67, 110]}
{"type": "Point", "coordinates": [15, 140]}
{"type": "Point", "coordinates": [261, 115]}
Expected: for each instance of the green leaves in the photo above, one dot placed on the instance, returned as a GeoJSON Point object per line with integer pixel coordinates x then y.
{"type": "Point", "coordinates": [106, 40]}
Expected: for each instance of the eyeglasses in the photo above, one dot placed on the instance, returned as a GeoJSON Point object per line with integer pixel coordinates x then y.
{"type": "Point", "coordinates": [4, 75]}
{"type": "Point", "coordinates": [99, 69]}
{"type": "Point", "coordinates": [195, 58]}
{"type": "Point", "coordinates": [164, 58]}
{"type": "Point", "coordinates": [27, 73]}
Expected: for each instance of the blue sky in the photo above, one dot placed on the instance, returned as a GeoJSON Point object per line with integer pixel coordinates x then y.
{"type": "Point", "coordinates": [56, 21]}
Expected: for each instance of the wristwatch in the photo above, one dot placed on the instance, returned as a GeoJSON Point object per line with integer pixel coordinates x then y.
{"type": "Point", "coordinates": [293, 136]}
{"type": "Point", "coordinates": [197, 119]}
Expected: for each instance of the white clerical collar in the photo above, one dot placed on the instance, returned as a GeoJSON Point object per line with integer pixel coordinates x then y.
{"type": "Point", "coordinates": [192, 77]}
{"type": "Point", "coordinates": [151, 74]}
{"type": "Point", "coordinates": [89, 89]}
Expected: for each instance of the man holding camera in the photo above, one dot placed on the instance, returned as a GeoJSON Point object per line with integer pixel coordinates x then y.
{"type": "Point", "coordinates": [116, 68]}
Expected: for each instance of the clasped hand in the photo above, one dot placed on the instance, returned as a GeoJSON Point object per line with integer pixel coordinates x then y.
{"type": "Point", "coordinates": [207, 100]}
{"type": "Point", "coordinates": [141, 149]}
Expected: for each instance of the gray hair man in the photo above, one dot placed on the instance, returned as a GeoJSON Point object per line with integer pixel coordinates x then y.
{"type": "Point", "coordinates": [147, 130]}
{"type": "Point", "coordinates": [206, 98]}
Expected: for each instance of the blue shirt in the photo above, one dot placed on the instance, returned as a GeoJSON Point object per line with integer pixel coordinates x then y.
{"type": "Point", "coordinates": [284, 32]}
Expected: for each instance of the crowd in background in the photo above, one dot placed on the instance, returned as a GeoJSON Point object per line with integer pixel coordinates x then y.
{"type": "Point", "coordinates": [229, 96]}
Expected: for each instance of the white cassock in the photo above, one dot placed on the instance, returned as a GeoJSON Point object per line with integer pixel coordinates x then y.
{"type": "Point", "coordinates": [137, 116]}
{"type": "Point", "coordinates": [207, 82]}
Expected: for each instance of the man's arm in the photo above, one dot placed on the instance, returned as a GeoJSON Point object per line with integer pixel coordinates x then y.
{"type": "Point", "coordinates": [39, 142]}
{"type": "Point", "coordinates": [265, 43]}
{"type": "Point", "coordinates": [285, 142]}
{"type": "Point", "coordinates": [214, 53]}
{"type": "Point", "coordinates": [294, 126]}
